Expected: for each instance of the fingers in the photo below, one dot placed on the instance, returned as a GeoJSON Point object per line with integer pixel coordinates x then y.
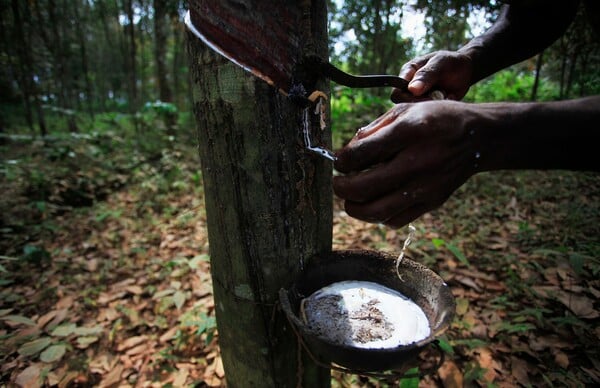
{"type": "Point", "coordinates": [407, 72]}
{"type": "Point", "coordinates": [388, 176]}
{"type": "Point", "coordinates": [397, 208]}
{"type": "Point", "coordinates": [394, 195]}
{"type": "Point", "coordinates": [426, 77]}
{"type": "Point", "coordinates": [409, 69]}
{"type": "Point", "coordinates": [423, 73]}
{"type": "Point", "coordinates": [372, 144]}
{"type": "Point", "coordinates": [447, 71]}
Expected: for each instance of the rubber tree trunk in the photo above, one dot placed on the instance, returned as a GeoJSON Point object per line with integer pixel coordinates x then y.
{"type": "Point", "coordinates": [269, 209]}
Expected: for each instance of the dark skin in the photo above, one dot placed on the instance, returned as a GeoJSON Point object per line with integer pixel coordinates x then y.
{"type": "Point", "coordinates": [411, 159]}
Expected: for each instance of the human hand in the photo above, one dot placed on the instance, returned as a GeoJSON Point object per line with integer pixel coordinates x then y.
{"type": "Point", "coordinates": [450, 72]}
{"type": "Point", "coordinates": [408, 161]}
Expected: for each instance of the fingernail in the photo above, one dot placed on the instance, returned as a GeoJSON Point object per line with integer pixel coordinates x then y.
{"type": "Point", "coordinates": [416, 86]}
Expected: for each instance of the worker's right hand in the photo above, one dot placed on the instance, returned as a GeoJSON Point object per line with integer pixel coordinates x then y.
{"type": "Point", "coordinates": [409, 160]}
{"type": "Point", "coordinates": [450, 72]}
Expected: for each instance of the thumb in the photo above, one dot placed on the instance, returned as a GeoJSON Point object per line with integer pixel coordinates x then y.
{"type": "Point", "coordinates": [424, 79]}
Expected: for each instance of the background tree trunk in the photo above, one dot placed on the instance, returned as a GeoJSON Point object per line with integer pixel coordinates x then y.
{"type": "Point", "coordinates": [269, 209]}
{"type": "Point", "coordinates": [536, 81]}
{"type": "Point", "coordinates": [160, 50]}
{"type": "Point", "coordinates": [131, 59]}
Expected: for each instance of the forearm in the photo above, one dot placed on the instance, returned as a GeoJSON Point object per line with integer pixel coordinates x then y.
{"type": "Point", "coordinates": [519, 33]}
{"type": "Point", "coordinates": [548, 135]}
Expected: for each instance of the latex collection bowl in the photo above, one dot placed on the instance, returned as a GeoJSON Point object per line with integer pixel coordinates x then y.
{"type": "Point", "coordinates": [426, 288]}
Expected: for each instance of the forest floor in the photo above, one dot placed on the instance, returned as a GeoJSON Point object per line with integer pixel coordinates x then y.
{"type": "Point", "coordinates": [117, 291]}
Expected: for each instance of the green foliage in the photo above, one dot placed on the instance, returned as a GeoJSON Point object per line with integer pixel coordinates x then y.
{"type": "Point", "coordinates": [438, 243]}
{"type": "Point", "coordinates": [410, 382]}
{"type": "Point", "coordinates": [46, 177]}
{"type": "Point", "coordinates": [378, 46]}
{"type": "Point", "coordinates": [446, 22]}
{"type": "Point", "coordinates": [352, 109]}
{"type": "Point", "coordinates": [203, 325]}
{"type": "Point", "coordinates": [511, 85]}
{"type": "Point", "coordinates": [35, 255]}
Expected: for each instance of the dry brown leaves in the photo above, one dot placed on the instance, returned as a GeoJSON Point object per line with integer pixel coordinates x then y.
{"type": "Point", "coordinates": [117, 291]}
{"type": "Point", "coordinates": [114, 297]}
{"type": "Point", "coordinates": [527, 305]}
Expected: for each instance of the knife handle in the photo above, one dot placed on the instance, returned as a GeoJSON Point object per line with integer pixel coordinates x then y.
{"type": "Point", "coordinates": [369, 81]}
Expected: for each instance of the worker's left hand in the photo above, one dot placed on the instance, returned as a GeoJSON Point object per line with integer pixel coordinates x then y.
{"type": "Point", "coordinates": [447, 71]}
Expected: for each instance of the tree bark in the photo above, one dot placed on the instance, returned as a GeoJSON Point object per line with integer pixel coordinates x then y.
{"type": "Point", "coordinates": [536, 81]}
{"type": "Point", "coordinates": [81, 28]}
{"type": "Point", "coordinates": [160, 58]}
{"type": "Point", "coordinates": [131, 58]}
{"type": "Point", "coordinates": [269, 209]}
{"type": "Point", "coordinates": [160, 50]}
{"type": "Point", "coordinates": [26, 70]}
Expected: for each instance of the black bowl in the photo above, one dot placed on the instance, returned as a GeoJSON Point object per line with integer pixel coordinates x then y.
{"type": "Point", "coordinates": [417, 282]}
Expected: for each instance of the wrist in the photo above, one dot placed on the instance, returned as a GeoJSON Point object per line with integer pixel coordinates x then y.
{"type": "Point", "coordinates": [536, 135]}
{"type": "Point", "coordinates": [499, 135]}
{"type": "Point", "coordinates": [474, 52]}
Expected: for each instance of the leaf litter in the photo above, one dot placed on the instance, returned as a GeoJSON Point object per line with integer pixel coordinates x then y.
{"type": "Point", "coordinates": [127, 298]}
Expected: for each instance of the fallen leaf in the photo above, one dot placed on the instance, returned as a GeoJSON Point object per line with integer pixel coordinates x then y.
{"type": "Point", "coordinates": [55, 376]}
{"type": "Point", "coordinates": [163, 293]}
{"type": "Point", "coordinates": [595, 293]}
{"type": "Point", "coordinates": [469, 282]}
{"type": "Point", "coordinates": [34, 347]}
{"type": "Point", "coordinates": [168, 335]}
{"type": "Point", "coordinates": [519, 369]}
{"type": "Point", "coordinates": [136, 290]}
{"type": "Point", "coordinates": [137, 350]}
{"type": "Point", "coordinates": [180, 378]}
{"type": "Point", "coordinates": [102, 363]}
{"type": "Point", "coordinates": [561, 358]}
{"type": "Point", "coordinates": [541, 343]}
{"type": "Point", "coordinates": [53, 353]}
{"type": "Point", "coordinates": [594, 374]}
{"type": "Point", "coordinates": [213, 381]}
{"type": "Point", "coordinates": [18, 319]}
{"type": "Point", "coordinates": [486, 361]}
{"type": "Point", "coordinates": [179, 299]}
{"type": "Point", "coordinates": [58, 318]}
{"type": "Point", "coordinates": [89, 331]}
{"type": "Point", "coordinates": [91, 265]}
{"type": "Point", "coordinates": [84, 342]}
{"type": "Point", "coordinates": [450, 375]}
{"type": "Point", "coordinates": [108, 314]}
{"type": "Point", "coordinates": [123, 284]}
{"type": "Point", "coordinates": [462, 306]}
{"type": "Point", "coordinates": [219, 370]}
{"type": "Point", "coordinates": [30, 377]}
{"type": "Point", "coordinates": [44, 319]}
{"type": "Point", "coordinates": [64, 330]}
{"type": "Point", "coordinates": [580, 305]}
{"type": "Point", "coordinates": [131, 342]}
{"type": "Point", "coordinates": [65, 302]}
{"type": "Point", "coordinates": [113, 377]}
{"type": "Point", "coordinates": [107, 297]}
{"type": "Point", "coordinates": [68, 379]}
